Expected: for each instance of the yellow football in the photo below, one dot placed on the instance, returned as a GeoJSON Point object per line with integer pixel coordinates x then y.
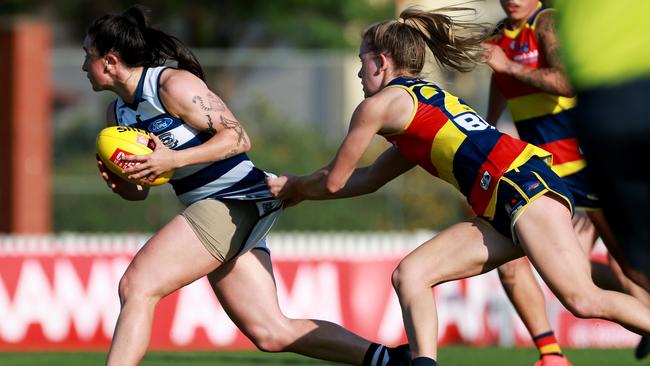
{"type": "Point", "coordinates": [115, 142]}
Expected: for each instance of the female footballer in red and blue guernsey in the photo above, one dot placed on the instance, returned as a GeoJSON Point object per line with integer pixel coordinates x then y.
{"type": "Point", "coordinates": [529, 78]}
{"type": "Point", "coordinates": [522, 207]}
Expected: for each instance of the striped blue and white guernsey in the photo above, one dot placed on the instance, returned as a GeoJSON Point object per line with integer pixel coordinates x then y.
{"type": "Point", "coordinates": [232, 178]}
{"type": "Point", "coordinates": [235, 178]}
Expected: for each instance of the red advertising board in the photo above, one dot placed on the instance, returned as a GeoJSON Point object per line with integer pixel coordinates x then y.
{"type": "Point", "coordinates": [64, 297]}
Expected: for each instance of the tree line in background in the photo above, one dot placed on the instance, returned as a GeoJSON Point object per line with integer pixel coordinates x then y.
{"type": "Point", "coordinates": [225, 23]}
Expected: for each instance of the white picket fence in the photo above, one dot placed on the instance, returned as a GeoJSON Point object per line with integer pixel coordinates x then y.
{"type": "Point", "coordinates": [284, 244]}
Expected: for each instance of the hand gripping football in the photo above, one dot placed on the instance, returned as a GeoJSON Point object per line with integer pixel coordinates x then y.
{"type": "Point", "coordinates": [115, 142]}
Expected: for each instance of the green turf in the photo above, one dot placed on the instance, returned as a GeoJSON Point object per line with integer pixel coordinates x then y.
{"type": "Point", "coordinates": [449, 356]}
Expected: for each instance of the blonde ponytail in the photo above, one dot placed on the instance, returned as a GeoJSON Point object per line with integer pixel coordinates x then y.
{"type": "Point", "coordinates": [454, 43]}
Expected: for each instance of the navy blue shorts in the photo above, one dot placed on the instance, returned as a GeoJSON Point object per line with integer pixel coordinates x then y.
{"type": "Point", "coordinates": [520, 186]}
{"type": "Point", "coordinates": [583, 195]}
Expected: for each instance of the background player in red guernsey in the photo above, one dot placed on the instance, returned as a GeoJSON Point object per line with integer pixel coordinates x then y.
{"type": "Point", "coordinates": [529, 78]}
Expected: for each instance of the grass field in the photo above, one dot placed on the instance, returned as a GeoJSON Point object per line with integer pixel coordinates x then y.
{"type": "Point", "coordinates": [449, 356]}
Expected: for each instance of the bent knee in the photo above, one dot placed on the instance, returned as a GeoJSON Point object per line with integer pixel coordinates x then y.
{"type": "Point", "coordinates": [126, 287]}
{"type": "Point", "coordinates": [508, 271]}
{"type": "Point", "coordinates": [406, 276]}
{"type": "Point", "coordinates": [398, 278]}
{"type": "Point", "coordinates": [268, 338]}
{"type": "Point", "coordinates": [132, 286]}
{"type": "Point", "coordinates": [584, 304]}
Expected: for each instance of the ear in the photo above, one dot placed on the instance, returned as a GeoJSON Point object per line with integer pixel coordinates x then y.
{"type": "Point", "coordinates": [383, 61]}
{"type": "Point", "coordinates": [111, 59]}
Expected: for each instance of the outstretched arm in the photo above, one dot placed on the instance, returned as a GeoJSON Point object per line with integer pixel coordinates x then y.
{"type": "Point", "coordinates": [365, 123]}
{"type": "Point", "coordinates": [362, 181]}
{"type": "Point", "coordinates": [550, 79]}
{"type": "Point", "coordinates": [387, 112]}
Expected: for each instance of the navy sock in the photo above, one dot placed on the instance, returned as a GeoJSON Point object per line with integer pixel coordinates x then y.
{"type": "Point", "coordinates": [378, 355]}
{"type": "Point", "coordinates": [423, 361]}
{"type": "Point", "coordinates": [399, 356]}
{"type": "Point", "coordinates": [373, 352]}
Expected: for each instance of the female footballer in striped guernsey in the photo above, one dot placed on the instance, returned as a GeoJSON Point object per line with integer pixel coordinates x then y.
{"type": "Point", "coordinates": [522, 207]}
{"type": "Point", "coordinates": [229, 208]}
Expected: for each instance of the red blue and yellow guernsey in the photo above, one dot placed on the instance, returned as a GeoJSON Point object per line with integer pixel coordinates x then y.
{"type": "Point", "coordinates": [449, 140]}
{"type": "Point", "coordinates": [541, 118]}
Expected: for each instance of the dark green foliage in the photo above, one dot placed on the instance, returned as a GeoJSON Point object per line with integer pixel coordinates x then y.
{"type": "Point", "coordinates": [107, 212]}
{"type": "Point", "coordinates": [228, 23]}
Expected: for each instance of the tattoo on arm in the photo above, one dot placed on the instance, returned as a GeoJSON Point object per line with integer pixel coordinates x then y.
{"type": "Point", "coordinates": [537, 77]}
{"type": "Point", "coordinates": [213, 103]}
{"type": "Point", "coordinates": [232, 153]}
{"type": "Point", "coordinates": [232, 124]}
{"type": "Point", "coordinates": [211, 130]}
{"type": "Point", "coordinates": [548, 36]}
{"type": "Point", "coordinates": [552, 77]}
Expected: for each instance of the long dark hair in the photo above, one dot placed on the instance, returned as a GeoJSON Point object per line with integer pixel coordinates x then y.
{"type": "Point", "coordinates": [454, 43]}
{"type": "Point", "coordinates": [137, 44]}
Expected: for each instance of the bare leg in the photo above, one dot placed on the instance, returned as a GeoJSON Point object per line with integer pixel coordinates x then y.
{"type": "Point", "coordinates": [608, 276]}
{"type": "Point", "coordinates": [246, 289]}
{"type": "Point", "coordinates": [549, 240]}
{"type": "Point", "coordinates": [525, 294]}
{"type": "Point", "coordinates": [464, 250]}
{"type": "Point", "coordinates": [585, 231]}
{"type": "Point", "coordinates": [628, 286]}
{"type": "Point", "coordinates": [624, 283]}
{"type": "Point", "coordinates": [171, 259]}
{"type": "Point", "coordinates": [524, 291]}
{"type": "Point", "coordinates": [616, 251]}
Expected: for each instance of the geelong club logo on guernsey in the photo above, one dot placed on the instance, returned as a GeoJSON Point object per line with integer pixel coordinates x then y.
{"type": "Point", "coordinates": [168, 139]}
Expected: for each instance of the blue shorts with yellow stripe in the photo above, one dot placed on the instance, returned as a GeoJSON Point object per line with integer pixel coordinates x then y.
{"type": "Point", "coordinates": [520, 186]}
{"type": "Point", "coordinates": [583, 195]}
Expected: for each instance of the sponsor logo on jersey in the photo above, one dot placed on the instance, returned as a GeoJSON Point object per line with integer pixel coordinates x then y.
{"type": "Point", "coordinates": [160, 124]}
{"type": "Point", "coordinates": [526, 57]}
{"type": "Point", "coordinates": [485, 181]}
{"type": "Point", "coordinates": [530, 187]}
